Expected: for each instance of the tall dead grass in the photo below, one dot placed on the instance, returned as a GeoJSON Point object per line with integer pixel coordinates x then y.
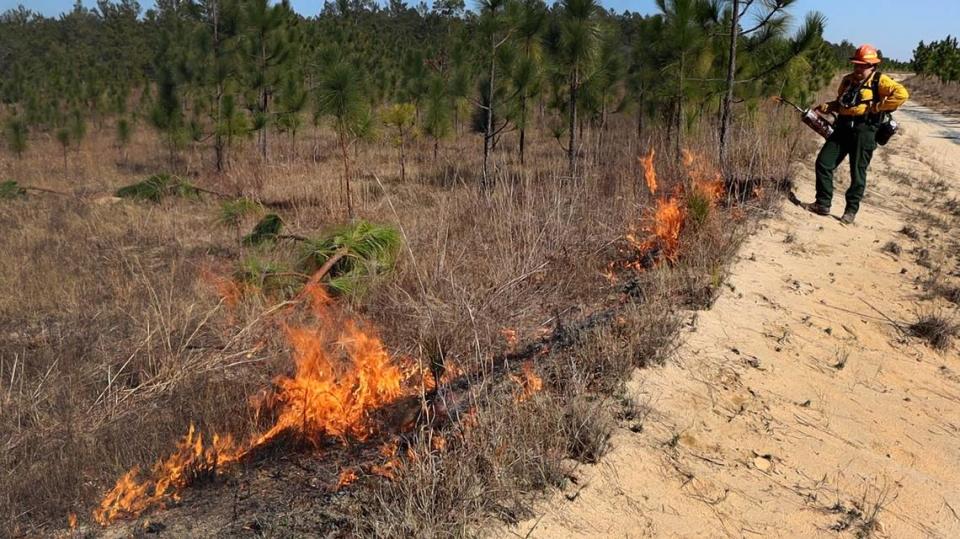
{"type": "Point", "coordinates": [931, 91]}
{"type": "Point", "coordinates": [113, 339]}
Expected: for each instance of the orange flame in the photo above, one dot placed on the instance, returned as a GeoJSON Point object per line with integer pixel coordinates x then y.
{"type": "Point", "coordinates": [529, 383]}
{"type": "Point", "coordinates": [228, 289]}
{"type": "Point", "coordinates": [650, 173]}
{"type": "Point", "coordinates": [667, 222]}
{"type": "Point", "coordinates": [188, 463]}
{"type": "Point", "coordinates": [706, 179]}
{"type": "Point", "coordinates": [72, 521]}
{"type": "Point", "coordinates": [438, 443]}
{"type": "Point", "coordinates": [509, 335]}
{"type": "Point", "coordinates": [341, 376]}
{"type": "Point", "coordinates": [347, 476]}
{"type": "Point", "coordinates": [669, 216]}
{"type": "Point", "coordinates": [389, 468]}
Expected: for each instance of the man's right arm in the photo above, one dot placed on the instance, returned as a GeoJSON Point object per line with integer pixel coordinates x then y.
{"type": "Point", "coordinates": [834, 106]}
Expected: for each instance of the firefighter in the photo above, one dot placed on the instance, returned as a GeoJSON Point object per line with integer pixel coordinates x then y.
{"type": "Point", "coordinates": [864, 99]}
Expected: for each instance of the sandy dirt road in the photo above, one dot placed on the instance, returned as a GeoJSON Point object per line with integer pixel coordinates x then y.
{"type": "Point", "coordinates": [799, 406]}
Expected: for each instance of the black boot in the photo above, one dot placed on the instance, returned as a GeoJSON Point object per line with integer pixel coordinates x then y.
{"type": "Point", "coordinates": [848, 218]}
{"type": "Point", "coordinates": [813, 207]}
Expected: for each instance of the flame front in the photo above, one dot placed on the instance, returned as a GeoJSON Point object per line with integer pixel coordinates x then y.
{"type": "Point", "coordinates": [530, 383]}
{"type": "Point", "coordinates": [706, 179]}
{"type": "Point", "coordinates": [669, 215]}
{"type": "Point", "coordinates": [347, 476]}
{"type": "Point", "coordinates": [667, 222]}
{"type": "Point", "coordinates": [342, 374]}
{"type": "Point", "coordinates": [650, 173]}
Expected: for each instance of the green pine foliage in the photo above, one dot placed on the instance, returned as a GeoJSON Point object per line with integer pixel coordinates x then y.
{"type": "Point", "coordinates": [10, 189]}
{"type": "Point", "coordinates": [270, 277]}
{"type": "Point", "coordinates": [208, 73]}
{"type": "Point", "coordinates": [157, 187]}
{"type": "Point", "coordinates": [16, 134]}
{"type": "Point", "coordinates": [266, 230]}
{"type": "Point", "coordinates": [938, 58]}
{"type": "Point", "coordinates": [368, 251]}
{"type": "Point", "coordinates": [232, 212]}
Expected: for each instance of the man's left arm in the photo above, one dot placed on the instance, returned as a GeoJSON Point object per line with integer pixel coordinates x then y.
{"type": "Point", "coordinates": [892, 93]}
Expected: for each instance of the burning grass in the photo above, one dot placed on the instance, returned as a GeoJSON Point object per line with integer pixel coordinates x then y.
{"type": "Point", "coordinates": [689, 205]}
{"type": "Point", "coordinates": [113, 338]}
{"type": "Point", "coordinates": [342, 374]}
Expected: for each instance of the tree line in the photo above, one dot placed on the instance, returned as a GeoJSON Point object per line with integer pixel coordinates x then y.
{"type": "Point", "coordinates": [939, 59]}
{"type": "Point", "coordinates": [214, 72]}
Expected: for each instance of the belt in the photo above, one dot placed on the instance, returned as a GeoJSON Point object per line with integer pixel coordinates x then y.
{"type": "Point", "coordinates": [854, 121]}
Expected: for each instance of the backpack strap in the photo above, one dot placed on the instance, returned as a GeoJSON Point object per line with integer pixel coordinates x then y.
{"type": "Point", "coordinates": [875, 85]}
{"type": "Point", "coordinates": [875, 88]}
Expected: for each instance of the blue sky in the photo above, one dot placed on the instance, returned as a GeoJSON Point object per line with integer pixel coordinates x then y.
{"type": "Point", "coordinates": [894, 26]}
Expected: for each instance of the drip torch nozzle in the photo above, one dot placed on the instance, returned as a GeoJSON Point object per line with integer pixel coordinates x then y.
{"type": "Point", "coordinates": [781, 99]}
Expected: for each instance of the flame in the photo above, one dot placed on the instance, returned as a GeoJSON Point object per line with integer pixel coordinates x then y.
{"type": "Point", "coordinates": [227, 288]}
{"type": "Point", "coordinates": [705, 178]}
{"type": "Point", "coordinates": [389, 467]}
{"type": "Point", "coordinates": [342, 374]}
{"type": "Point", "coordinates": [663, 228]}
{"type": "Point", "coordinates": [347, 476]}
{"type": "Point", "coordinates": [188, 463]}
{"type": "Point", "coordinates": [72, 521]}
{"type": "Point", "coordinates": [529, 382]}
{"type": "Point", "coordinates": [649, 173]}
{"type": "Point", "coordinates": [509, 335]}
{"type": "Point", "coordinates": [667, 222]}
{"type": "Point", "coordinates": [438, 443]}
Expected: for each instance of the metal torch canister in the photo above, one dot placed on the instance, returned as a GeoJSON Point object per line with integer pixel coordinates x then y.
{"type": "Point", "coordinates": [818, 123]}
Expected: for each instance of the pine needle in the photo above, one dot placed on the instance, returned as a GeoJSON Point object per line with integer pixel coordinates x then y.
{"type": "Point", "coordinates": [10, 190]}
{"type": "Point", "coordinates": [266, 230]}
{"type": "Point", "coordinates": [159, 186]}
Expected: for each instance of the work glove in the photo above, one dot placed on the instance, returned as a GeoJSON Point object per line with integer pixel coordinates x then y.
{"type": "Point", "coordinates": [825, 108]}
{"type": "Point", "coordinates": [874, 108]}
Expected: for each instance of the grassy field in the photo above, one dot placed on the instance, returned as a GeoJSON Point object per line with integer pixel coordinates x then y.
{"type": "Point", "coordinates": [116, 332]}
{"type": "Point", "coordinates": [934, 93]}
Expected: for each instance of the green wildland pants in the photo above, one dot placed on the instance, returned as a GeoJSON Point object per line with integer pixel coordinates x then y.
{"type": "Point", "coordinates": [858, 142]}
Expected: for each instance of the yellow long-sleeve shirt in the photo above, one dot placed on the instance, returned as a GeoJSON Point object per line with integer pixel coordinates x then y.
{"type": "Point", "coordinates": [892, 95]}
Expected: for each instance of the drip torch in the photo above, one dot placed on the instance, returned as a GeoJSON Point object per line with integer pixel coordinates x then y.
{"type": "Point", "coordinates": [813, 119]}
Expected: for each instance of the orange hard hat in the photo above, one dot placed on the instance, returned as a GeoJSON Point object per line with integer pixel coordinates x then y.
{"type": "Point", "coordinates": [866, 54]}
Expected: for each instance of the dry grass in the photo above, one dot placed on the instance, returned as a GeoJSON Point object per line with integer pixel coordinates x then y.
{"type": "Point", "coordinates": [113, 338]}
{"type": "Point", "coordinates": [892, 247]}
{"type": "Point", "coordinates": [932, 92]}
{"type": "Point", "coordinates": [938, 328]}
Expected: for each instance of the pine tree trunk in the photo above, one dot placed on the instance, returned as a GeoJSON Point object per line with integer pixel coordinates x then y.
{"type": "Point", "coordinates": [488, 132]}
{"type": "Point", "coordinates": [572, 140]}
{"type": "Point", "coordinates": [218, 140]}
{"type": "Point", "coordinates": [346, 171]}
{"type": "Point", "coordinates": [640, 122]}
{"type": "Point", "coordinates": [603, 128]}
{"type": "Point", "coordinates": [523, 124]}
{"type": "Point", "coordinates": [726, 117]}
{"type": "Point", "coordinates": [403, 168]}
{"type": "Point", "coordinates": [263, 130]}
{"type": "Point", "coordinates": [264, 97]}
{"type": "Point", "coordinates": [679, 119]}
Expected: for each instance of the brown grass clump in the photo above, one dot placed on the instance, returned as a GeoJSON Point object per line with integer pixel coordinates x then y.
{"type": "Point", "coordinates": [937, 328]}
{"type": "Point", "coordinates": [910, 232]}
{"type": "Point", "coordinates": [892, 247]}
